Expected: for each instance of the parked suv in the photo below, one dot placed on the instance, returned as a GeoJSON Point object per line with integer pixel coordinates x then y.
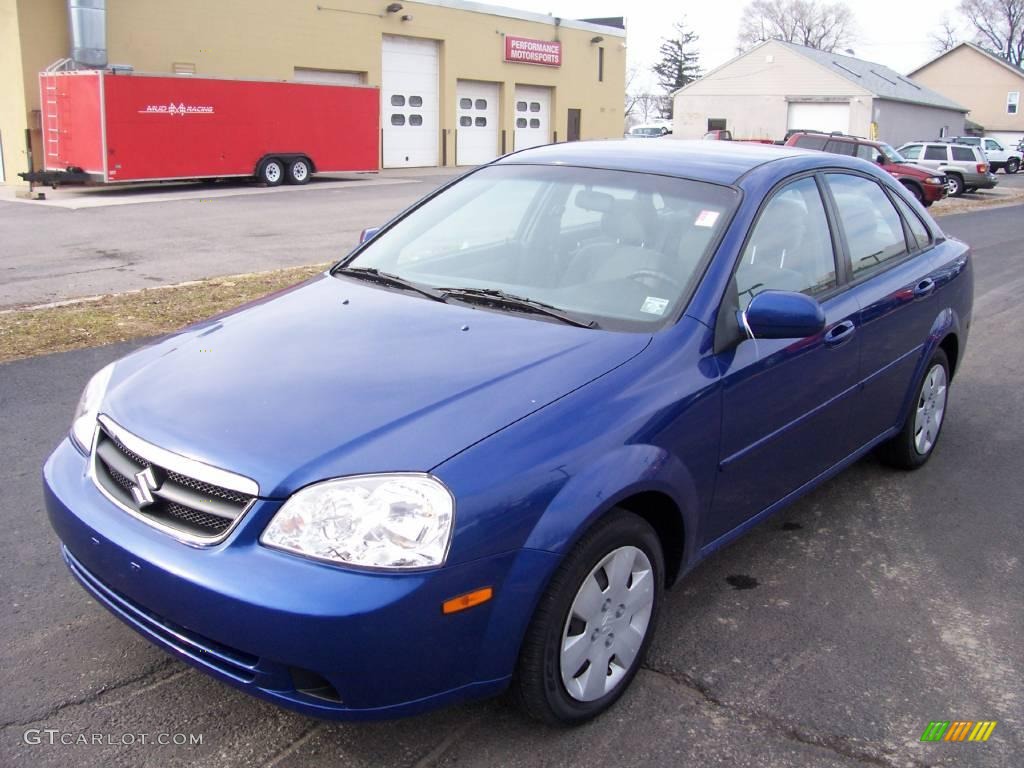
{"type": "Point", "coordinates": [966, 168]}
{"type": "Point", "coordinates": [924, 183]}
{"type": "Point", "coordinates": [998, 155]}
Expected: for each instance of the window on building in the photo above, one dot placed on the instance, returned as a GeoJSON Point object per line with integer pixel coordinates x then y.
{"type": "Point", "coordinates": [415, 101]}
{"type": "Point", "coordinates": [534, 122]}
{"type": "Point", "coordinates": [397, 119]}
{"type": "Point", "coordinates": [415, 119]}
{"type": "Point", "coordinates": [936, 152]}
{"type": "Point", "coordinates": [1012, 102]}
{"type": "Point", "coordinates": [520, 122]}
{"type": "Point", "coordinates": [520, 106]}
{"type": "Point", "coordinates": [874, 232]}
{"type": "Point", "coordinates": [535, 106]}
{"type": "Point", "coordinates": [481, 104]}
{"type": "Point", "coordinates": [716, 123]}
{"type": "Point", "coordinates": [790, 248]}
{"type": "Point", "coordinates": [480, 122]}
{"type": "Point", "coordinates": [963, 154]}
{"type": "Point", "coordinates": [183, 68]}
{"type": "Point", "coordinates": [465, 103]}
{"type": "Point", "coordinates": [465, 121]}
{"type": "Point", "coordinates": [600, 64]}
{"type": "Point", "coordinates": [397, 100]}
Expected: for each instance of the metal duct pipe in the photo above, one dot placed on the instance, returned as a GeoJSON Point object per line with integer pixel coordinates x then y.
{"type": "Point", "coordinates": [88, 20]}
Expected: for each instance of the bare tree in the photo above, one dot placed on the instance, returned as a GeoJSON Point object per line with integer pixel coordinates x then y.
{"type": "Point", "coordinates": [946, 37]}
{"type": "Point", "coordinates": [822, 25]}
{"type": "Point", "coordinates": [998, 26]}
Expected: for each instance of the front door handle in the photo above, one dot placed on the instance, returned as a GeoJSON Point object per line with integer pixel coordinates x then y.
{"type": "Point", "coordinates": [924, 288]}
{"type": "Point", "coordinates": [839, 333]}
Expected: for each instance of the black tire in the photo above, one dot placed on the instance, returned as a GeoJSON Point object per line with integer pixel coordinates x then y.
{"type": "Point", "coordinates": [1012, 165]}
{"type": "Point", "coordinates": [955, 184]}
{"type": "Point", "coordinates": [902, 451]}
{"type": "Point", "coordinates": [537, 685]}
{"type": "Point", "coordinates": [299, 171]}
{"type": "Point", "coordinates": [271, 172]}
{"type": "Point", "coordinates": [915, 191]}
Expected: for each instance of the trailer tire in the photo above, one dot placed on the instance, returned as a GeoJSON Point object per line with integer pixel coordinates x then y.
{"type": "Point", "coordinates": [299, 171]}
{"type": "Point", "coordinates": [271, 172]}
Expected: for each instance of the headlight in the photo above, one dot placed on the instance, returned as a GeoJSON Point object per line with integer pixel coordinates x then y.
{"type": "Point", "coordinates": [374, 521]}
{"type": "Point", "coordinates": [933, 180]}
{"type": "Point", "coordinates": [84, 422]}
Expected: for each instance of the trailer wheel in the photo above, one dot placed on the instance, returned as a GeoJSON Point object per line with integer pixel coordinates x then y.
{"type": "Point", "coordinates": [298, 171]}
{"type": "Point", "coordinates": [271, 172]}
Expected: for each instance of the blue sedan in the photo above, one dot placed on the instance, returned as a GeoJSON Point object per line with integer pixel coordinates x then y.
{"type": "Point", "coordinates": [474, 453]}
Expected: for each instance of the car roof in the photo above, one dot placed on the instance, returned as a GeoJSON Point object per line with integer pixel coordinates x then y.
{"type": "Point", "coordinates": [720, 162]}
{"type": "Point", "coordinates": [840, 137]}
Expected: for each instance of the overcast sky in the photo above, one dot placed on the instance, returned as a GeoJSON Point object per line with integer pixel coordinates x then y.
{"type": "Point", "coordinates": [891, 32]}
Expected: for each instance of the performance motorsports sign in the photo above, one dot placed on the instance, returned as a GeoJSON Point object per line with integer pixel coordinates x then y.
{"type": "Point", "coordinates": [524, 50]}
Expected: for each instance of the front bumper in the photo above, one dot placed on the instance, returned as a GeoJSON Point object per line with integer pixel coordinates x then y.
{"type": "Point", "coordinates": [932, 193]}
{"type": "Point", "coordinates": [324, 640]}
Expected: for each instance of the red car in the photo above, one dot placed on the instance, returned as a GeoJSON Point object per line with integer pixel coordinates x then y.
{"type": "Point", "coordinates": [925, 184]}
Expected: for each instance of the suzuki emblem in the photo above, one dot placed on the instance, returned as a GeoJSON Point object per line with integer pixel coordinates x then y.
{"type": "Point", "coordinates": [145, 484]}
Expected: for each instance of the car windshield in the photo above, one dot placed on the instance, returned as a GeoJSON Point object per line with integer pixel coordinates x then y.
{"type": "Point", "coordinates": [617, 248]}
{"type": "Point", "coordinates": [891, 154]}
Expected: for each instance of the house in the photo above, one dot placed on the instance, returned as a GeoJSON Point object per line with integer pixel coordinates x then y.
{"type": "Point", "coordinates": [778, 86]}
{"type": "Point", "coordinates": [989, 86]}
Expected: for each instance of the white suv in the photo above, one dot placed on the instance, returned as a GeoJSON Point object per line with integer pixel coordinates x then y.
{"type": "Point", "coordinates": [998, 156]}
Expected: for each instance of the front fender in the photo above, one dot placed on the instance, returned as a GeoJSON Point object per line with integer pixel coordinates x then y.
{"type": "Point", "coordinates": [624, 472]}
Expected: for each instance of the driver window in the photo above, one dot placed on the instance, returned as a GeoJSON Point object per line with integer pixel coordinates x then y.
{"type": "Point", "coordinates": [790, 248]}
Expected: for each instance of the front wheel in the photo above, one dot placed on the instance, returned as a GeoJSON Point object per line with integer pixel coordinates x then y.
{"type": "Point", "coordinates": [915, 191]}
{"type": "Point", "coordinates": [592, 627]}
{"type": "Point", "coordinates": [1012, 165]}
{"type": "Point", "coordinates": [954, 185]}
{"type": "Point", "coordinates": [913, 446]}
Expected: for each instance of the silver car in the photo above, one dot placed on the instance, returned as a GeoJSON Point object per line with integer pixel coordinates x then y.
{"type": "Point", "coordinates": [966, 168]}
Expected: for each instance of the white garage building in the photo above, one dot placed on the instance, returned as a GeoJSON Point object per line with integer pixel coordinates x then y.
{"type": "Point", "coordinates": [780, 86]}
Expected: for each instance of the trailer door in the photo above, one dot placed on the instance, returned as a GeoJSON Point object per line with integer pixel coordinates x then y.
{"type": "Point", "coordinates": [409, 102]}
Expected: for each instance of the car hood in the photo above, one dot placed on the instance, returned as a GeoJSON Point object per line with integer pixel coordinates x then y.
{"type": "Point", "coordinates": [336, 377]}
{"type": "Point", "coordinates": [915, 170]}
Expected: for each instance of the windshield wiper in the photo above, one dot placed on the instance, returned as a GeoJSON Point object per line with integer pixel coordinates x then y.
{"type": "Point", "coordinates": [498, 298]}
{"type": "Point", "coordinates": [374, 275]}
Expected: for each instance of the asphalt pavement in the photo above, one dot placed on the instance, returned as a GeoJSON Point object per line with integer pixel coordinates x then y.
{"type": "Point", "coordinates": [829, 636]}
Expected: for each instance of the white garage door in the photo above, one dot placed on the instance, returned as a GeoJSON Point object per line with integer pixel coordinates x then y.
{"type": "Point", "coordinates": [476, 112]}
{"type": "Point", "coordinates": [533, 116]}
{"type": "Point", "coordinates": [819, 117]}
{"type": "Point", "coordinates": [409, 102]}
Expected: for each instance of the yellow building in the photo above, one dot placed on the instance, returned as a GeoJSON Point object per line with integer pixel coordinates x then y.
{"type": "Point", "coordinates": [461, 82]}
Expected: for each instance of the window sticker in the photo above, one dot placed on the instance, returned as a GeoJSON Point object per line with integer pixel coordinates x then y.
{"type": "Point", "coordinates": [654, 305]}
{"type": "Point", "coordinates": [706, 219]}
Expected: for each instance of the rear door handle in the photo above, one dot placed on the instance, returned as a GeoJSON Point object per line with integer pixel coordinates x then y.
{"type": "Point", "coordinates": [924, 288]}
{"type": "Point", "coordinates": [840, 332]}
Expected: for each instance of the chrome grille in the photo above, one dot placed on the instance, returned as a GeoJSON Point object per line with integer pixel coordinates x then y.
{"type": "Point", "coordinates": [160, 493]}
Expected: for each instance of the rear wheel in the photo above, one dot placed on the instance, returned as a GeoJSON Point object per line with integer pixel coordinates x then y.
{"type": "Point", "coordinates": [592, 627]}
{"type": "Point", "coordinates": [1012, 165]}
{"type": "Point", "coordinates": [271, 172]}
{"type": "Point", "coordinates": [299, 171]}
{"type": "Point", "coordinates": [913, 446]}
{"type": "Point", "coordinates": [954, 185]}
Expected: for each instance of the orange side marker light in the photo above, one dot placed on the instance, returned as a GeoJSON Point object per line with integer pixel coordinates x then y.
{"type": "Point", "coordinates": [468, 600]}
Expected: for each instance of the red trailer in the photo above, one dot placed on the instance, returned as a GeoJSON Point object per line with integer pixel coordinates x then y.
{"type": "Point", "coordinates": [104, 126]}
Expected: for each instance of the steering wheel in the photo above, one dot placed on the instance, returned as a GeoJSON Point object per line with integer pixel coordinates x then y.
{"type": "Point", "coordinates": [640, 274]}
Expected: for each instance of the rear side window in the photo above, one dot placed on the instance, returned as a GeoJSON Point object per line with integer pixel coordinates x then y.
{"type": "Point", "coordinates": [874, 233]}
{"type": "Point", "coordinates": [790, 248]}
{"type": "Point", "coordinates": [912, 152]}
{"type": "Point", "coordinates": [963, 154]}
{"type": "Point", "coordinates": [935, 152]}
{"type": "Point", "coordinates": [811, 142]}
{"type": "Point", "coordinates": [921, 236]}
{"type": "Point", "coordinates": [840, 148]}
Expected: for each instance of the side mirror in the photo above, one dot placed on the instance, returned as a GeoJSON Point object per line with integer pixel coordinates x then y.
{"type": "Point", "coordinates": [368, 234]}
{"type": "Point", "coordinates": [782, 315]}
